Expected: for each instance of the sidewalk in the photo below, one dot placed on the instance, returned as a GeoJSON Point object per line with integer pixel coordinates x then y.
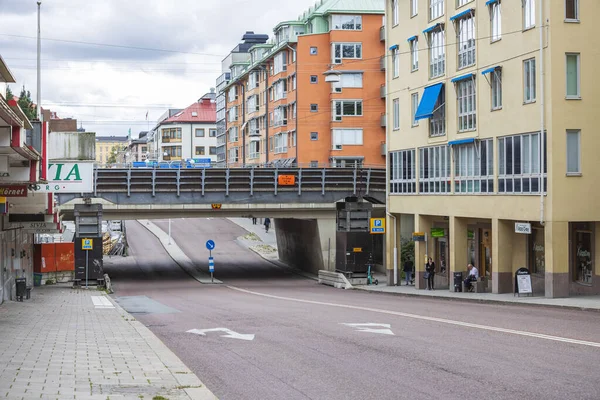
{"type": "Point", "coordinates": [579, 302]}
{"type": "Point", "coordinates": [68, 343]}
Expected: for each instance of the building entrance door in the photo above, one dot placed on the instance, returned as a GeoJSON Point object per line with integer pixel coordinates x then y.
{"type": "Point", "coordinates": [485, 253]}
{"type": "Point", "coordinates": [442, 256]}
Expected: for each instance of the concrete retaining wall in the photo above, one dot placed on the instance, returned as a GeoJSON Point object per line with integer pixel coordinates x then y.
{"type": "Point", "coordinates": [299, 244]}
{"type": "Point", "coordinates": [335, 279]}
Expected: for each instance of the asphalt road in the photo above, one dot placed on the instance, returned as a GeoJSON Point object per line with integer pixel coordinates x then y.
{"type": "Point", "coordinates": [302, 348]}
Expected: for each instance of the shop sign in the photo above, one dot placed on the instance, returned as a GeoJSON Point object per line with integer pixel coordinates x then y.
{"type": "Point", "coordinates": [438, 232]}
{"type": "Point", "coordinates": [523, 227]}
{"type": "Point", "coordinates": [418, 236]}
{"type": "Point", "coordinates": [13, 191]}
{"type": "Point", "coordinates": [69, 177]}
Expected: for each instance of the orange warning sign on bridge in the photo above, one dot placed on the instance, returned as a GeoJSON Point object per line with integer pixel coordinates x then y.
{"type": "Point", "coordinates": [286, 180]}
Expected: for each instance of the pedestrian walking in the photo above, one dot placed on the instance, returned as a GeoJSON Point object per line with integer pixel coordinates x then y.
{"type": "Point", "coordinates": [408, 268]}
{"type": "Point", "coordinates": [430, 273]}
{"type": "Point", "coordinates": [267, 224]}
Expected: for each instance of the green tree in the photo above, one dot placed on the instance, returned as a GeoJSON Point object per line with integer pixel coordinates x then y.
{"type": "Point", "coordinates": [27, 105]}
{"type": "Point", "coordinates": [112, 158]}
{"type": "Point", "coordinates": [9, 93]}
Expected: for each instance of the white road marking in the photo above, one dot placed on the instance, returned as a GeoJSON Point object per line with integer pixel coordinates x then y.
{"type": "Point", "coordinates": [101, 302]}
{"type": "Point", "coordinates": [370, 328]}
{"type": "Point", "coordinates": [229, 333]}
{"type": "Point", "coordinates": [425, 318]}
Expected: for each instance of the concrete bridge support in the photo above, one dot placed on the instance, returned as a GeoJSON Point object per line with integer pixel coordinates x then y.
{"type": "Point", "coordinates": [307, 244]}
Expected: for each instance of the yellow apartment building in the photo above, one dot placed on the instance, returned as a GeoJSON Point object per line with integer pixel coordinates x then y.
{"type": "Point", "coordinates": [105, 145]}
{"type": "Point", "coordinates": [471, 84]}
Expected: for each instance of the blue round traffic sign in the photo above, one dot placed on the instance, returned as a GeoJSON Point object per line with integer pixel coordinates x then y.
{"type": "Point", "coordinates": [210, 245]}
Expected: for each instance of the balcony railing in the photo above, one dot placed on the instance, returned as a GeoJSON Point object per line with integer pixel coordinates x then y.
{"type": "Point", "coordinates": [171, 140]}
{"type": "Point", "coordinates": [382, 33]}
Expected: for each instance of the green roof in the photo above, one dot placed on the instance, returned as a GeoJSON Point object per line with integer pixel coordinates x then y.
{"type": "Point", "coordinates": [350, 6]}
{"type": "Point", "coordinates": [286, 23]}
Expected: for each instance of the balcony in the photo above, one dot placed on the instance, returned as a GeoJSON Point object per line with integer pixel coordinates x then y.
{"type": "Point", "coordinates": [382, 91]}
{"type": "Point", "coordinates": [382, 33]}
{"type": "Point", "coordinates": [253, 132]}
{"type": "Point", "coordinates": [383, 149]}
{"type": "Point", "coordinates": [171, 140]}
{"type": "Point", "coordinates": [382, 63]}
{"type": "Point", "coordinates": [383, 121]}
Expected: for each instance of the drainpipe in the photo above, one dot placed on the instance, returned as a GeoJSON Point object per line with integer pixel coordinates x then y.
{"type": "Point", "coordinates": [542, 111]}
{"type": "Point", "coordinates": [267, 114]}
{"type": "Point", "coordinates": [191, 142]}
{"type": "Point", "coordinates": [243, 110]}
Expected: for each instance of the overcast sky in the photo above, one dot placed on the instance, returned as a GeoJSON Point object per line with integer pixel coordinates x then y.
{"type": "Point", "coordinates": [95, 83]}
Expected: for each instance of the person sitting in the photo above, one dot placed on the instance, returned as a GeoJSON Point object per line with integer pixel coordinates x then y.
{"type": "Point", "coordinates": [473, 276]}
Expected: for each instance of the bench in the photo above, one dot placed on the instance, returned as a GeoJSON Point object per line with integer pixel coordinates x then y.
{"type": "Point", "coordinates": [478, 286]}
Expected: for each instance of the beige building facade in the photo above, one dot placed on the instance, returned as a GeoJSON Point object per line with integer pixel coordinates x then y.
{"type": "Point", "coordinates": [471, 84]}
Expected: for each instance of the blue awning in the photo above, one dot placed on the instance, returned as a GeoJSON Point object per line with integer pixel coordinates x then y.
{"type": "Point", "coordinates": [410, 39]}
{"type": "Point", "coordinates": [462, 14]}
{"type": "Point", "coordinates": [490, 2]}
{"type": "Point", "coordinates": [461, 141]}
{"type": "Point", "coordinates": [490, 70]}
{"type": "Point", "coordinates": [462, 78]}
{"type": "Point", "coordinates": [432, 28]}
{"type": "Point", "coordinates": [394, 47]}
{"type": "Point", "coordinates": [427, 104]}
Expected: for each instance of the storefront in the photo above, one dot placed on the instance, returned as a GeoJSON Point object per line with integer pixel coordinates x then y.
{"type": "Point", "coordinates": [581, 260]}
{"type": "Point", "coordinates": [536, 258]}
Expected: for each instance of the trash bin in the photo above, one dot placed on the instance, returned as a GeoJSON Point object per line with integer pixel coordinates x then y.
{"type": "Point", "coordinates": [458, 277]}
{"type": "Point", "coordinates": [37, 279]}
{"type": "Point", "coordinates": [21, 284]}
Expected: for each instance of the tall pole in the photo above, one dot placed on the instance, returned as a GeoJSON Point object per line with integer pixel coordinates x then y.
{"type": "Point", "coordinates": [39, 66]}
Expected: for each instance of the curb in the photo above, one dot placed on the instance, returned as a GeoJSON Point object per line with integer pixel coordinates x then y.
{"type": "Point", "coordinates": [191, 384]}
{"type": "Point", "coordinates": [185, 263]}
{"type": "Point", "coordinates": [481, 301]}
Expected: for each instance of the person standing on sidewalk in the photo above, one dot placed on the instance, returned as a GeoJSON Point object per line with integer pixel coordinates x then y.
{"type": "Point", "coordinates": [267, 224]}
{"type": "Point", "coordinates": [253, 220]}
{"type": "Point", "coordinates": [408, 267]}
{"type": "Point", "coordinates": [430, 269]}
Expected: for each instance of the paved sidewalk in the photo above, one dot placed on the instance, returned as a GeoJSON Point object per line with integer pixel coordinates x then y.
{"type": "Point", "coordinates": [577, 302]}
{"type": "Point", "coordinates": [177, 254]}
{"type": "Point", "coordinates": [68, 343]}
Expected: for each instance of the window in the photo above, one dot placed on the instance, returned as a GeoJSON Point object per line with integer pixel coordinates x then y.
{"type": "Point", "coordinates": [496, 83]}
{"type": "Point", "coordinates": [573, 152]}
{"type": "Point", "coordinates": [212, 150]}
{"type": "Point", "coordinates": [346, 22]}
{"type": "Point", "coordinates": [212, 133]}
{"type": "Point", "coordinates": [314, 136]}
{"type": "Point", "coordinates": [537, 245]}
{"type": "Point", "coordinates": [294, 82]}
{"type": "Point", "coordinates": [529, 80]}
{"type": "Point", "coordinates": [294, 111]}
{"type": "Point", "coordinates": [349, 108]}
{"type": "Point", "coordinates": [466, 42]}
{"type": "Point", "coordinates": [396, 111]}
{"type": "Point", "coordinates": [252, 104]}
{"type": "Point", "coordinates": [314, 79]}
{"type": "Point", "coordinates": [233, 134]}
{"type": "Point", "coordinates": [396, 63]}
{"type": "Point", "coordinates": [169, 135]}
{"type": "Point", "coordinates": [232, 94]}
{"type": "Point", "coordinates": [414, 7]}
{"type": "Point", "coordinates": [582, 259]}
{"type": "Point", "coordinates": [434, 169]}
{"type": "Point", "coordinates": [352, 80]}
{"type": "Point", "coordinates": [314, 51]}
{"type": "Point", "coordinates": [253, 80]}
{"type": "Point", "coordinates": [573, 80]}
{"type": "Point", "coordinates": [279, 116]}
{"type": "Point", "coordinates": [200, 150]}
{"type": "Point", "coordinates": [342, 51]}
{"type": "Point", "coordinates": [414, 55]}
{"type": "Point", "coordinates": [233, 114]}
{"type": "Point", "coordinates": [460, 3]}
{"type": "Point", "coordinates": [528, 14]}
{"type": "Point", "coordinates": [465, 91]}
{"type": "Point", "coordinates": [395, 14]}
{"type": "Point", "coordinates": [414, 105]}
{"type": "Point", "coordinates": [199, 132]}
{"type": "Point", "coordinates": [572, 10]}
{"type": "Point", "coordinates": [172, 151]}
{"type": "Point", "coordinates": [254, 149]}
{"type": "Point", "coordinates": [314, 108]}
{"type": "Point", "coordinates": [402, 172]}
{"type": "Point", "coordinates": [437, 54]}
{"type": "Point", "coordinates": [436, 9]}
{"type": "Point", "coordinates": [496, 21]}
{"type": "Point", "coordinates": [519, 163]}
{"type": "Point", "coordinates": [234, 154]}
{"type": "Point", "coordinates": [280, 63]}
{"type": "Point", "coordinates": [279, 90]}
{"type": "Point", "coordinates": [437, 122]}
{"type": "Point", "coordinates": [474, 167]}
{"type": "Point", "coordinates": [280, 142]}
{"type": "Point", "coordinates": [346, 137]}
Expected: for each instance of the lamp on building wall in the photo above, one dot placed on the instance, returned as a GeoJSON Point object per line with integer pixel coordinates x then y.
{"type": "Point", "coordinates": [332, 76]}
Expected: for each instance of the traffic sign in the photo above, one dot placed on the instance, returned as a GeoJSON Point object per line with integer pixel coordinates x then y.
{"type": "Point", "coordinates": [210, 245]}
{"type": "Point", "coordinates": [87, 244]}
{"type": "Point", "coordinates": [211, 264]}
{"type": "Point", "coordinates": [377, 225]}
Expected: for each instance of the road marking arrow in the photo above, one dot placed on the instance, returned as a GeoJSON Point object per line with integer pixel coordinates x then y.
{"type": "Point", "coordinates": [369, 327]}
{"type": "Point", "coordinates": [229, 333]}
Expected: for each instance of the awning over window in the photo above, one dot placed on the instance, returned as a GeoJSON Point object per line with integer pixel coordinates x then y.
{"type": "Point", "coordinates": [490, 2]}
{"type": "Point", "coordinates": [432, 28]}
{"type": "Point", "coordinates": [427, 105]}
{"type": "Point", "coordinates": [462, 14]}
{"type": "Point", "coordinates": [394, 47]}
{"type": "Point", "coordinates": [462, 78]}
{"type": "Point", "coordinates": [410, 39]}
{"type": "Point", "coordinates": [461, 141]}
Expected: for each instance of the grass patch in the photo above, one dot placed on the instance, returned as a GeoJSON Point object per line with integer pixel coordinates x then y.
{"type": "Point", "coordinates": [159, 398]}
{"type": "Point", "coordinates": [252, 236]}
{"type": "Point", "coordinates": [188, 387]}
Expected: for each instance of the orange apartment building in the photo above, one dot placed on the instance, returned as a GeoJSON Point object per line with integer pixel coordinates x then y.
{"type": "Point", "coordinates": [282, 111]}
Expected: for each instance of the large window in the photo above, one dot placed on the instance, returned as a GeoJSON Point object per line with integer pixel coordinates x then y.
{"type": "Point", "coordinates": [234, 153]}
{"type": "Point", "coordinates": [436, 9]}
{"type": "Point", "coordinates": [572, 10]}
{"type": "Point", "coordinates": [467, 118]}
{"type": "Point", "coordinates": [466, 41]}
{"type": "Point", "coordinates": [414, 54]}
{"type": "Point", "coordinates": [582, 252]}
{"type": "Point", "coordinates": [352, 80]}
{"type": "Point", "coordinates": [496, 84]}
{"type": "Point", "coordinates": [347, 108]}
{"type": "Point", "coordinates": [279, 116]}
{"type": "Point", "coordinates": [233, 114]}
{"type": "Point", "coordinates": [437, 53]}
{"type": "Point", "coordinates": [396, 113]}
{"type": "Point", "coordinates": [396, 63]}
{"type": "Point", "coordinates": [252, 104]}
{"type": "Point", "coordinates": [172, 151]}
{"type": "Point", "coordinates": [252, 80]}
{"type": "Point", "coordinates": [437, 121]}
{"type": "Point", "coordinates": [280, 63]}
{"type": "Point", "coordinates": [573, 152]}
{"type": "Point", "coordinates": [171, 135]}
{"type": "Point", "coordinates": [573, 80]}
{"type": "Point", "coordinates": [434, 170]}
{"type": "Point", "coordinates": [537, 251]}
{"type": "Point", "coordinates": [402, 172]}
{"type": "Point", "coordinates": [395, 13]}
{"type": "Point", "coordinates": [519, 163]}
{"type": "Point", "coordinates": [199, 132]}
{"type": "Point", "coordinates": [528, 14]}
{"type": "Point", "coordinates": [346, 137]}
{"type": "Point", "coordinates": [346, 22]}
{"type": "Point", "coordinates": [280, 90]}
{"type": "Point", "coordinates": [346, 51]}
{"type": "Point", "coordinates": [496, 21]}
{"type": "Point", "coordinates": [474, 167]}
{"type": "Point", "coordinates": [529, 84]}
{"type": "Point", "coordinates": [232, 94]}
{"type": "Point", "coordinates": [414, 105]}
{"type": "Point", "coordinates": [280, 142]}
{"type": "Point", "coordinates": [233, 134]}
{"type": "Point", "coordinates": [200, 150]}
{"type": "Point", "coordinates": [414, 7]}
